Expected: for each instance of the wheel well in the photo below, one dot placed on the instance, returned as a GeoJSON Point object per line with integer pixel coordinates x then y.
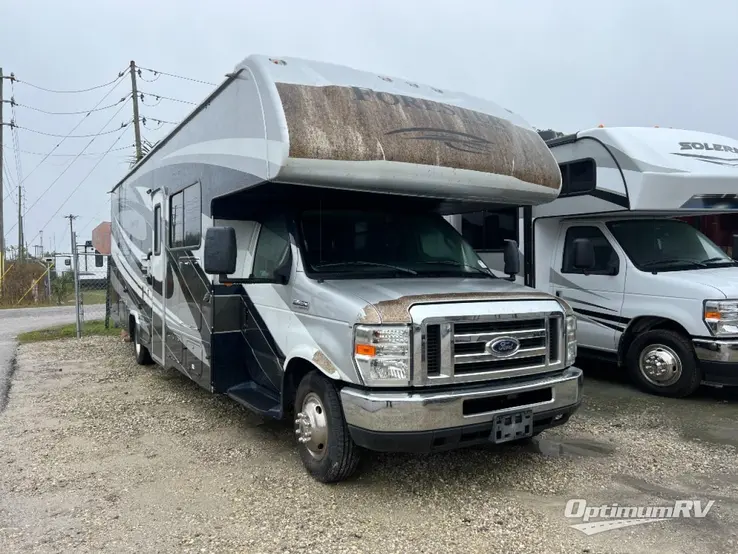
{"type": "Point", "coordinates": [296, 369]}
{"type": "Point", "coordinates": [641, 325]}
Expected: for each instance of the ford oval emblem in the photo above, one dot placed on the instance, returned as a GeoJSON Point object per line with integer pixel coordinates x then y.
{"type": "Point", "coordinates": [503, 347]}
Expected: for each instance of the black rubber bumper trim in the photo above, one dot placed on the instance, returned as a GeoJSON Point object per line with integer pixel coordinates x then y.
{"type": "Point", "coordinates": [420, 442]}
{"type": "Point", "coordinates": [720, 373]}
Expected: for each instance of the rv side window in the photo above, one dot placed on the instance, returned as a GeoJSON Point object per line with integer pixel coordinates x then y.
{"type": "Point", "coordinates": [578, 177]}
{"type": "Point", "coordinates": [157, 231]}
{"type": "Point", "coordinates": [272, 247]}
{"type": "Point", "coordinates": [607, 261]}
{"type": "Point", "coordinates": [185, 218]}
{"type": "Point", "coordinates": [487, 230]}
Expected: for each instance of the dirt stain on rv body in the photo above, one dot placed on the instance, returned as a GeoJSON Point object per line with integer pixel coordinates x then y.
{"type": "Point", "coordinates": [359, 124]}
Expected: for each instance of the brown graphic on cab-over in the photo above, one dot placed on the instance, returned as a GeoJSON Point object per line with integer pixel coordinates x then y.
{"type": "Point", "coordinates": [357, 124]}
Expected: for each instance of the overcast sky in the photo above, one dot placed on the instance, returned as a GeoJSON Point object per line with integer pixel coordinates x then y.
{"type": "Point", "coordinates": [565, 64]}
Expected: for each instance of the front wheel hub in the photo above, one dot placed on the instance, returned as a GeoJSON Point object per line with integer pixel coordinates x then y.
{"type": "Point", "coordinates": [311, 426]}
{"type": "Point", "coordinates": [660, 365]}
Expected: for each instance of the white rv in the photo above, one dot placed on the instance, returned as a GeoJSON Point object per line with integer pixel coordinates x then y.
{"type": "Point", "coordinates": [285, 245]}
{"type": "Point", "coordinates": [650, 291]}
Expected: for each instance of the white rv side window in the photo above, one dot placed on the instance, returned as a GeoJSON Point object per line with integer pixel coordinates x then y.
{"type": "Point", "coordinates": [579, 177]}
{"type": "Point", "coordinates": [185, 218]}
{"type": "Point", "coordinates": [607, 261]}
{"type": "Point", "coordinates": [487, 230]}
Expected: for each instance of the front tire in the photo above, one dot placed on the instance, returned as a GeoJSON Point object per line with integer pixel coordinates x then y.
{"type": "Point", "coordinates": [143, 357]}
{"type": "Point", "coordinates": [663, 362]}
{"type": "Point", "coordinates": [324, 442]}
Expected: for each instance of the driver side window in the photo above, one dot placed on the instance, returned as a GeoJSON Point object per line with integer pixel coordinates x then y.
{"type": "Point", "coordinates": [272, 247]}
{"type": "Point", "coordinates": [607, 261]}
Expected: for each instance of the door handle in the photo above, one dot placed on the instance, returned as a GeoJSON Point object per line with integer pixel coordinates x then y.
{"type": "Point", "coordinates": [301, 304]}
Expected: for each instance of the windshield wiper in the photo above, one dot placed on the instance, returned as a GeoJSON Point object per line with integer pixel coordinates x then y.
{"type": "Point", "coordinates": [721, 259]}
{"type": "Point", "coordinates": [361, 262]}
{"type": "Point", "coordinates": [460, 264]}
{"type": "Point", "coordinates": [674, 261]}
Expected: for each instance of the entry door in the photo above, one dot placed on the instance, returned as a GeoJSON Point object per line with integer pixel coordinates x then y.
{"type": "Point", "coordinates": [596, 297]}
{"type": "Point", "coordinates": [158, 279]}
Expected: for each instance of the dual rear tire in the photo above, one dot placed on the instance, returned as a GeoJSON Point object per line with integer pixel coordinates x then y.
{"type": "Point", "coordinates": [143, 356]}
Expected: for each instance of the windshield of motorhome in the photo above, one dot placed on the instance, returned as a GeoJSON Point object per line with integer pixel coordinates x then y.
{"type": "Point", "coordinates": [349, 240]}
{"type": "Point", "coordinates": [667, 245]}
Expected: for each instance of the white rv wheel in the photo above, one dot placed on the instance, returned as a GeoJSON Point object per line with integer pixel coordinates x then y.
{"type": "Point", "coordinates": [324, 442]}
{"type": "Point", "coordinates": [663, 362]}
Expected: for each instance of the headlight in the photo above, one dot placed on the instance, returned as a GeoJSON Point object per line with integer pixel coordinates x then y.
{"type": "Point", "coordinates": [382, 354]}
{"type": "Point", "coordinates": [721, 317]}
{"type": "Point", "coordinates": [571, 339]}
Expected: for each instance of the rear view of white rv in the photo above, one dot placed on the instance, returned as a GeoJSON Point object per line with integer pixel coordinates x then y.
{"type": "Point", "coordinates": [286, 246]}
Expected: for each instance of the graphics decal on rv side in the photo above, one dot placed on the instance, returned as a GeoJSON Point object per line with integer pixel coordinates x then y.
{"type": "Point", "coordinates": [707, 147]}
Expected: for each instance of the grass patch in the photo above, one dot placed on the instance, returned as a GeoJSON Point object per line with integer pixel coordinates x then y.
{"type": "Point", "coordinates": [89, 328]}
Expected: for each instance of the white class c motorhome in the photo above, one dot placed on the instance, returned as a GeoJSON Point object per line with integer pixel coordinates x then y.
{"type": "Point", "coordinates": [650, 291]}
{"type": "Point", "coordinates": [285, 245]}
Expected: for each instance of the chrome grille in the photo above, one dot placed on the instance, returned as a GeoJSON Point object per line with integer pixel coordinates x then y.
{"type": "Point", "coordinates": [456, 350]}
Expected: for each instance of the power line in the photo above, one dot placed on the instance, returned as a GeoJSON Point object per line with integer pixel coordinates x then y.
{"type": "Point", "coordinates": [14, 78]}
{"type": "Point", "coordinates": [77, 187]}
{"type": "Point", "coordinates": [66, 155]}
{"type": "Point", "coordinates": [81, 112]}
{"type": "Point", "coordinates": [162, 97]}
{"type": "Point", "coordinates": [119, 80]}
{"type": "Point", "coordinates": [77, 157]}
{"type": "Point", "coordinates": [63, 136]}
{"type": "Point", "coordinates": [157, 72]}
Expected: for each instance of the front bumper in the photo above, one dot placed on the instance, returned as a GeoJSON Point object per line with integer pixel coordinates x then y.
{"type": "Point", "coordinates": [718, 360]}
{"type": "Point", "coordinates": [435, 420]}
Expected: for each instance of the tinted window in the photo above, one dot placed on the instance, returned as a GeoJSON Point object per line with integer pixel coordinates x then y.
{"type": "Point", "coordinates": [385, 243]}
{"type": "Point", "coordinates": [185, 211]}
{"type": "Point", "coordinates": [157, 239]}
{"type": "Point", "coordinates": [176, 220]}
{"type": "Point", "coordinates": [272, 248]}
{"type": "Point", "coordinates": [606, 259]}
{"type": "Point", "coordinates": [666, 244]}
{"type": "Point", "coordinates": [192, 215]}
{"type": "Point", "coordinates": [488, 230]}
{"type": "Point", "coordinates": [578, 177]}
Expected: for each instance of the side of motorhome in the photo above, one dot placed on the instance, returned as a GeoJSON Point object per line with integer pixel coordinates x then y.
{"type": "Point", "coordinates": [650, 291]}
{"type": "Point", "coordinates": [285, 245]}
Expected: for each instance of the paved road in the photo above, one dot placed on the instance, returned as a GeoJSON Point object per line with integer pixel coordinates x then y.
{"type": "Point", "coordinates": [15, 321]}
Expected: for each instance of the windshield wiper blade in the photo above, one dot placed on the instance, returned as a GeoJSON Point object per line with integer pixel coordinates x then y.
{"type": "Point", "coordinates": [721, 259]}
{"type": "Point", "coordinates": [674, 261]}
{"type": "Point", "coordinates": [459, 264]}
{"type": "Point", "coordinates": [361, 262]}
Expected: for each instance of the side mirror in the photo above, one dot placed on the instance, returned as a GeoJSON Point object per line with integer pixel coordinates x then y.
{"type": "Point", "coordinates": [584, 254]}
{"type": "Point", "coordinates": [734, 248]}
{"type": "Point", "coordinates": [220, 251]}
{"type": "Point", "coordinates": [512, 259]}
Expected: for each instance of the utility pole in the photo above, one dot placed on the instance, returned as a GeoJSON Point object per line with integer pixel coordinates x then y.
{"type": "Point", "coordinates": [20, 223]}
{"type": "Point", "coordinates": [136, 125]}
{"type": "Point", "coordinates": [2, 228]}
{"type": "Point", "coordinates": [75, 272]}
{"type": "Point", "coordinates": [41, 240]}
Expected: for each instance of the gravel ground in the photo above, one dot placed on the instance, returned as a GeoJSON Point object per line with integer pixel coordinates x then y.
{"type": "Point", "coordinates": [99, 454]}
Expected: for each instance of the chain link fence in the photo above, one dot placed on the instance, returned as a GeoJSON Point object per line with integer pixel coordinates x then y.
{"type": "Point", "coordinates": [78, 280]}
